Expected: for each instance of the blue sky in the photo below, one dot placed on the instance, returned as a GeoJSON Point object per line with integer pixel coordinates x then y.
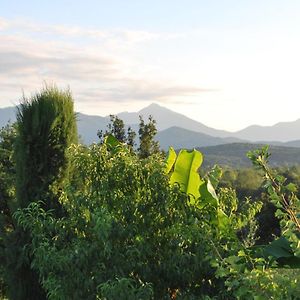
{"type": "Point", "coordinates": [227, 64]}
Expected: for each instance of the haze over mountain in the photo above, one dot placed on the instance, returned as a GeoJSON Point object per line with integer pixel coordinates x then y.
{"type": "Point", "coordinates": [283, 131]}
{"type": "Point", "coordinates": [7, 114]}
{"type": "Point", "coordinates": [180, 131]}
{"type": "Point", "coordinates": [178, 138]}
{"type": "Point", "coordinates": [88, 127]}
{"type": "Point", "coordinates": [167, 118]}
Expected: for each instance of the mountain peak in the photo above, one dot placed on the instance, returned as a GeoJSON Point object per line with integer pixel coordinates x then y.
{"type": "Point", "coordinates": [152, 107]}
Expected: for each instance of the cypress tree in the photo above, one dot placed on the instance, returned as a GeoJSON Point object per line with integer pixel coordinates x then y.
{"type": "Point", "coordinates": [46, 127]}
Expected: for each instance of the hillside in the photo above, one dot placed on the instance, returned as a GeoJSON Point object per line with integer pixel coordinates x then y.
{"type": "Point", "coordinates": [180, 131]}
{"type": "Point", "coordinates": [283, 131]}
{"type": "Point", "coordinates": [178, 137]}
{"type": "Point", "coordinates": [7, 114]}
{"type": "Point", "coordinates": [88, 127]}
{"type": "Point", "coordinates": [167, 118]}
{"type": "Point", "coordinates": [234, 155]}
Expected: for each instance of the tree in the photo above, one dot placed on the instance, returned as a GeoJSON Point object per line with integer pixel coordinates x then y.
{"type": "Point", "coordinates": [7, 192]}
{"type": "Point", "coordinates": [46, 127]}
{"type": "Point", "coordinates": [116, 127]}
{"type": "Point", "coordinates": [147, 132]}
{"type": "Point", "coordinates": [7, 174]}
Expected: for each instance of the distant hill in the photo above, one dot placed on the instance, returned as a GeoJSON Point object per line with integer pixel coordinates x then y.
{"type": "Point", "coordinates": [167, 118]}
{"type": "Point", "coordinates": [234, 155]}
{"type": "Point", "coordinates": [178, 137]}
{"type": "Point", "coordinates": [293, 143]}
{"type": "Point", "coordinates": [88, 127]}
{"type": "Point", "coordinates": [180, 131]}
{"type": "Point", "coordinates": [7, 114]}
{"type": "Point", "coordinates": [284, 132]}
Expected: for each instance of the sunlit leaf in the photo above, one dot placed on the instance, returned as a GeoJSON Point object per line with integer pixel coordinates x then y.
{"type": "Point", "coordinates": [170, 161]}
{"type": "Point", "coordinates": [186, 172]}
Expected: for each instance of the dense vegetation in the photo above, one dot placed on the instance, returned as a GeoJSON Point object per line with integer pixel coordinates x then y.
{"type": "Point", "coordinates": [115, 221]}
{"type": "Point", "coordinates": [233, 155]}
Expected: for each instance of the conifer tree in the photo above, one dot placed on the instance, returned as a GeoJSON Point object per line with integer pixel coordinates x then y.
{"type": "Point", "coordinates": [46, 127]}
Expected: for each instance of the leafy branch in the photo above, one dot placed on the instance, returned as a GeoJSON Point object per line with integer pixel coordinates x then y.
{"type": "Point", "coordinates": [283, 195]}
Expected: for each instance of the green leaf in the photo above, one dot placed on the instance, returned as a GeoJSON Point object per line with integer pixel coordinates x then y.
{"type": "Point", "coordinates": [112, 143]}
{"type": "Point", "coordinates": [170, 161]}
{"type": "Point", "coordinates": [279, 248]}
{"type": "Point", "coordinates": [282, 252]}
{"type": "Point", "coordinates": [208, 194]}
{"type": "Point", "coordinates": [292, 187]}
{"type": "Point", "coordinates": [223, 220]}
{"type": "Point", "coordinates": [215, 175]}
{"type": "Point", "coordinates": [185, 172]}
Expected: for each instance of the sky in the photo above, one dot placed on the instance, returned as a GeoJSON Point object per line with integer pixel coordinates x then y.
{"type": "Point", "coordinates": [227, 64]}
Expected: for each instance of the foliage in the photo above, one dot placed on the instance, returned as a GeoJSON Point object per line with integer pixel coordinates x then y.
{"type": "Point", "coordinates": [248, 183]}
{"type": "Point", "coordinates": [126, 225]}
{"type": "Point", "coordinates": [105, 222]}
{"type": "Point", "coordinates": [130, 232]}
{"type": "Point", "coordinates": [270, 272]}
{"type": "Point", "coordinates": [283, 196]}
{"type": "Point", "coordinates": [233, 155]}
{"type": "Point", "coordinates": [185, 172]}
{"type": "Point", "coordinates": [116, 127]}
{"type": "Point", "coordinates": [7, 174]}
{"type": "Point", "coordinates": [46, 127]}
{"type": "Point", "coordinates": [147, 132]}
{"type": "Point", "coordinates": [7, 192]}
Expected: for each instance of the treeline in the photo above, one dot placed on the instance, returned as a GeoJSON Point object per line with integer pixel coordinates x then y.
{"type": "Point", "coordinates": [116, 220]}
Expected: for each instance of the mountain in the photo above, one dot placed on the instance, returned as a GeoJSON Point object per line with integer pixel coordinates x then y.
{"type": "Point", "coordinates": [88, 127]}
{"type": "Point", "coordinates": [7, 114]}
{"type": "Point", "coordinates": [295, 143]}
{"type": "Point", "coordinates": [284, 132]}
{"type": "Point", "coordinates": [280, 132]}
{"type": "Point", "coordinates": [178, 138]}
{"type": "Point", "coordinates": [234, 155]}
{"type": "Point", "coordinates": [166, 118]}
{"type": "Point", "coordinates": [180, 131]}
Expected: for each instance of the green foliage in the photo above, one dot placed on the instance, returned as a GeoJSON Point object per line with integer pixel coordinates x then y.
{"type": "Point", "coordinates": [147, 133]}
{"type": "Point", "coordinates": [7, 174]}
{"type": "Point", "coordinates": [125, 289]}
{"type": "Point", "coordinates": [170, 161]}
{"type": "Point", "coordinates": [116, 127]}
{"type": "Point", "coordinates": [135, 225]}
{"type": "Point", "coordinates": [46, 127]}
{"type": "Point", "coordinates": [259, 281]}
{"type": "Point", "coordinates": [283, 196]}
{"type": "Point", "coordinates": [7, 193]}
{"type": "Point", "coordinates": [127, 228]}
{"type": "Point", "coordinates": [186, 172]}
{"type": "Point", "coordinates": [130, 234]}
{"type": "Point", "coordinates": [254, 273]}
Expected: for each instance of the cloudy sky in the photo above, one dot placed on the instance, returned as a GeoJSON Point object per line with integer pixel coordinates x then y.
{"type": "Point", "coordinates": [227, 64]}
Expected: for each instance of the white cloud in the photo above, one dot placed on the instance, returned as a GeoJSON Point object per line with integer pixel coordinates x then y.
{"type": "Point", "coordinates": [95, 72]}
{"type": "Point", "coordinates": [122, 35]}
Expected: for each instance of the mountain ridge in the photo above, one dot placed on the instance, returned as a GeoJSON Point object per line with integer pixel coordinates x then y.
{"type": "Point", "coordinates": [282, 133]}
